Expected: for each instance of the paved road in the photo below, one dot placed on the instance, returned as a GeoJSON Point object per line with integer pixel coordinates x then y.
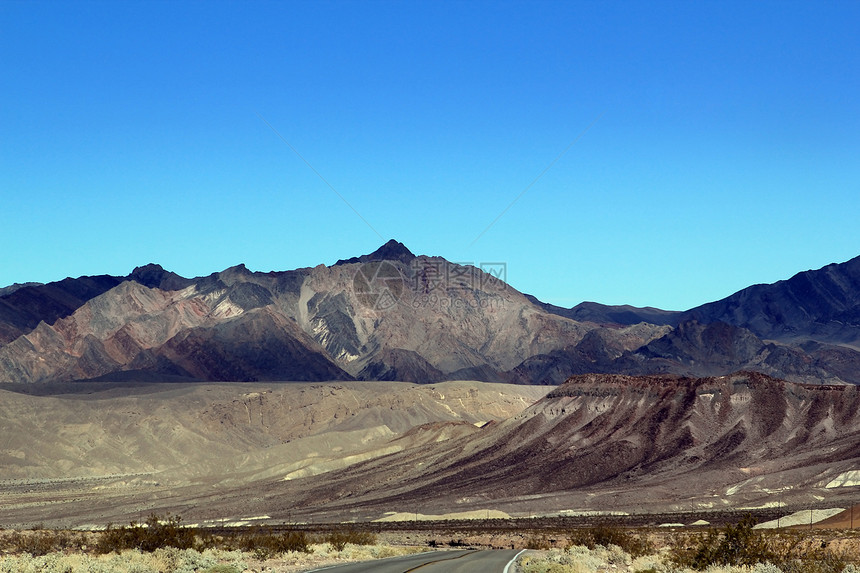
{"type": "Point", "coordinates": [435, 562]}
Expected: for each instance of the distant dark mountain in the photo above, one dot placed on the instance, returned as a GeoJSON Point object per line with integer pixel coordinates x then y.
{"type": "Point", "coordinates": [821, 305]}
{"type": "Point", "coordinates": [399, 364]}
{"type": "Point", "coordinates": [7, 290]}
{"type": "Point", "coordinates": [717, 349]}
{"type": "Point", "coordinates": [24, 308]}
{"type": "Point", "coordinates": [804, 329]}
{"type": "Point", "coordinates": [606, 314]}
{"type": "Point", "coordinates": [694, 349]}
{"type": "Point", "coordinates": [600, 350]}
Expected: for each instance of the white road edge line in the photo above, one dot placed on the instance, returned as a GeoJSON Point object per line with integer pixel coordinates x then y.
{"type": "Point", "coordinates": [511, 562]}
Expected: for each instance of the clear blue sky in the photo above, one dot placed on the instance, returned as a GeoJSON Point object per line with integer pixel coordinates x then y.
{"type": "Point", "coordinates": [724, 147]}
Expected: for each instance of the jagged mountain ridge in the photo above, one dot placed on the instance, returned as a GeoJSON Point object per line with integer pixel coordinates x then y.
{"type": "Point", "coordinates": [322, 323]}
{"type": "Point", "coordinates": [391, 315]}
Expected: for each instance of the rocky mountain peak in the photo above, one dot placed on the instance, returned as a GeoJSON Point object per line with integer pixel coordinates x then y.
{"type": "Point", "coordinates": [149, 270]}
{"type": "Point", "coordinates": [235, 271]}
{"type": "Point", "coordinates": [153, 275]}
{"type": "Point", "coordinates": [390, 251]}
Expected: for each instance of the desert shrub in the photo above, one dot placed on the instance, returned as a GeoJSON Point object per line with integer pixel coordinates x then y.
{"type": "Point", "coordinates": [161, 561]}
{"type": "Point", "coordinates": [295, 542]}
{"type": "Point", "coordinates": [575, 559]}
{"type": "Point", "coordinates": [339, 539]}
{"type": "Point", "coordinates": [632, 543]}
{"type": "Point", "coordinates": [769, 552]}
{"type": "Point", "coordinates": [38, 543]}
{"type": "Point", "coordinates": [155, 533]}
{"type": "Point", "coordinates": [209, 561]}
{"type": "Point", "coordinates": [538, 543]}
{"type": "Point", "coordinates": [738, 544]}
{"type": "Point", "coordinates": [795, 552]}
{"type": "Point", "coordinates": [207, 540]}
{"type": "Point", "coordinates": [543, 565]}
{"type": "Point", "coordinates": [264, 544]}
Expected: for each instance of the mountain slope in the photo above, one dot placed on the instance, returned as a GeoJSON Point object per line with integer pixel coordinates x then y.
{"type": "Point", "coordinates": [357, 450]}
{"type": "Point", "coordinates": [821, 305]}
{"type": "Point", "coordinates": [98, 453]}
{"type": "Point", "coordinates": [694, 349]}
{"type": "Point", "coordinates": [222, 333]}
{"type": "Point", "coordinates": [22, 309]}
{"type": "Point", "coordinates": [726, 440]}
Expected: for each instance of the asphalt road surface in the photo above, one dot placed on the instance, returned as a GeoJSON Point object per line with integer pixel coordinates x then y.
{"type": "Point", "coordinates": [435, 562]}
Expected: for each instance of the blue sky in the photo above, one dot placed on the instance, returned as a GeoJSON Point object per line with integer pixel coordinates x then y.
{"type": "Point", "coordinates": [715, 144]}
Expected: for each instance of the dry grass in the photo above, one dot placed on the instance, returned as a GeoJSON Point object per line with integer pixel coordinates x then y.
{"type": "Point", "coordinates": [172, 560]}
{"type": "Point", "coordinates": [162, 545]}
{"type": "Point", "coordinates": [735, 548]}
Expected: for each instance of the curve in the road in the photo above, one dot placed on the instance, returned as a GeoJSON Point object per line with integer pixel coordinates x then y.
{"type": "Point", "coordinates": [392, 564]}
{"type": "Point", "coordinates": [496, 561]}
{"type": "Point", "coordinates": [461, 561]}
{"type": "Point", "coordinates": [513, 560]}
{"type": "Point", "coordinates": [423, 565]}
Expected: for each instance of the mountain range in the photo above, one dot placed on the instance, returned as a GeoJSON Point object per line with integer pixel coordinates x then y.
{"type": "Point", "coordinates": [392, 315]}
{"type": "Point", "coordinates": [362, 389]}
